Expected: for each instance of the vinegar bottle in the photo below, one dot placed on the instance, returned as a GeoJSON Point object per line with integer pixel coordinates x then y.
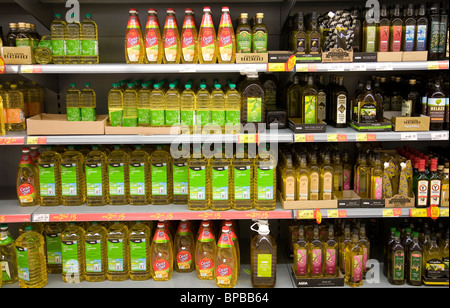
{"type": "Point", "coordinates": [226, 41]}
{"type": "Point", "coordinates": [263, 257]}
{"type": "Point", "coordinates": [205, 252]}
{"type": "Point", "coordinates": [134, 43]}
{"type": "Point", "coordinates": [72, 253]}
{"type": "Point", "coordinates": [226, 261]}
{"type": "Point", "coordinates": [161, 254]}
{"type": "Point", "coordinates": [27, 180]}
{"type": "Point", "coordinates": [152, 39]}
{"type": "Point", "coordinates": [139, 245]}
{"type": "Point", "coordinates": [207, 39]}
{"type": "Point", "coordinates": [189, 39]}
{"type": "Point", "coordinates": [184, 248]}
{"type": "Point", "coordinates": [95, 252]}
{"type": "Point", "coordinates": [171, 39]}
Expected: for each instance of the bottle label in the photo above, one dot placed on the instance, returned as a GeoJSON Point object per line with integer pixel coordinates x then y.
{"type": "Point", "coordinates": [367, 112]}
{"type": "Point", "coordinates": [378, 189]}
{"type": "Point", "coordinates": [422, 193]}
{"type": "Point", "coordinates": [23, 267]}
{"type": "Point", "coordinates": [172, 117]}
{"type": "Point", "coordinates": [226, 45]}
{"type": "Point", "coordinates": [264, 178]}
{"type": "Point", "coordinates": [184, 260]}
{"type": "Point", "coordinates": [415, 266]}
{"type": "Point", "coordinates": [321, 106]}
{"type": "Point", "coordinates": [314, 186]}
{"type": "Point", "coordinates": [300, 45]}
{"type": "Point", "coordinates": [69, 251]}
{"type": "Point", "coordinates": [93, 256]}
{"type": "Point", "coordinates": [207, 45]}
{"type": "Point", "coordinates": [357, 268]}
{"type": "Point", "coordinates": [15, 115]}
{"type": "Point", "coordinates": [197, 183]}
{"type": "Point", "coordinates": [220, 183]}
{"type": "Point", "coordinates": [422, 32]}
{"type": "Point", "coordinates": [26, 193]}
{"type": "Point", "coordinates": [73, 114]}
{"type": "Point", "coordinates": [398, 265]}
{"type": "Point", "coordinates": [443, 28]}
{"type": "Point", "coordinates": [47, 180]}
{"type": "Point", "coordinates": [435, 192]}
{"type": "Point", "coordinates": [397, 38]}
{"type": "Point", "coordinates": [303, 188]}
{"type": "Point", "coordinates": [302, 262]}
{"type": "Point", "coordinates": [161, 268]}
{"type": "Point", "coordinates": [89, 48]}
{"type": "Point", "coordinates": [384, 38]}
{"type": "Point", "coordinates": [116, 175]}
{"type": "Point", "coordinates": [69, 179]}
{"type": "Point", "coordinates": [73, 47]}
{"type": "Point", "coordinates": [436, 109]}
{"type": "Point", "coordinates": [170, 45]}
{"type": "Point", "coordinates": [158, 117]}
{"type": "Point", "coordinates": [187, 117]}
{"type": "Point", "coordinates": [88, 114]}
{"type": "Point", "coordinates": [23, 42]}
{"type": "Point", "coordinates": [371, 39]}
{"type": "Point", "coordinates": [180, 179]}
{"type": "Point", "coordinates": [341, 109]}
{"type": "Point", "coordinates": [59, 47]}
{"type": "Point", "coordinates": [115, 255]}
{"type": "Point", "coordinates": [407, 106]}
{"type": "Point", "coordinates": [264, 268]}
{"type": "Point", "coordinates": [254, 109]}
{"type": "Point", "coordinates": [347, 179]}
{"type": "Point", "coordinates": [137, 173]}
{"type": "Point", "coordinates": [233, 117]}
{"type": "Point", "coordinates": [188, 45]}
{"type": "Point", "coordinates": [138, 255]}
{"type": "Point", "coordinates": [133, 46]}
{"type": "Point", "coordinates": [260, 42]}
{"type": "Point", "coordinates": [224, 274]}
{"type": "Point", "coordinates": [310, 109]}
{"type": "Point", "coordinates": [203, 117]}
{"type": "Point", "coordinates": [244, 42]}
{"type": "Point", "coordinates": [143, 116]}
{"type": "Point", "coordinates": [445, 195]}
{"type": "Point", "coordinates": [205, 267]}
{"type": "Point", "coordinates": [159, 179]}
{"type": "Point", "coordinates": [242, 183]}
{"type": "Point", "coordinates": [94, 180]}
{"type": "Point", "coordinates": [317, 261]}
{"type": "Point", "coordinates": [327, 188]}
{"type": "Point", "coordinates": [218, 117]}
{"type": "Point", "coordinates": [53, 244]}
{"type": "Point", "coordinates": [290, 188]}
{"type": "Point", "coordinates": [115, 116]}
{"type": "Point", "coordinates": [410, 33]}
{"type": "Point", "coordinates": [434, 37]}
{"type": "Point", "coordinates": [330, 259]}
{"type": "Point", "coordinates": [152, 45]}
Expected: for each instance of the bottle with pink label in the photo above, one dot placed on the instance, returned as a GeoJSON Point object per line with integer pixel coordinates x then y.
{"type": "Point", "coordinates": [300, 261]}
{"type": "Point", "coordinates": [330, 254]}
{"type": "Point", "coordinates": [315, 255]}
{"type": "Point", "coordinates": [354, 258]}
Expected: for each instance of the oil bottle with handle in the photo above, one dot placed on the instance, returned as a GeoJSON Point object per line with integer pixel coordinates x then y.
{"type": "Point", "coordinates": [263, 256]}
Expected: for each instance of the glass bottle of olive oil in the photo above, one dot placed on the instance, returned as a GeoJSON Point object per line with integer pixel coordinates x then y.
{"type": "Point", "coordinates": [309, 103]}
{"type": "Point", "coordinates": [383, 30]}
{"type": "Point", "coordinates": [314, 36]}
{"type": "Point", "coordinates": [369, 34]}
{"type": "Point", "coordinates": [354, 256]}
{"type": "Point", "coordinates": [326, 178]}
{"type": "Point", "coordinates": [299, 35]}
{"type": "Point", "coordinates": [339, 105]}
{"type": "Point", "coordinates": [260, 35]}
{"type": "Point", "coordinates": [396, 266]}
{"type": "Point", "coordinates": [422, 29]}
{"type": "Point", "coordinates": [243, 35]}
{"type": "Point", "coordinates": [303, 179]}
{"type": "Point", "coordinates": [409, 30]}
{"type": "Point", "coordinates": [314, 186]}
{"type": "Point", "coordinates": [289, 178]}
{"type": "Point", "coordinates": [396, 33]}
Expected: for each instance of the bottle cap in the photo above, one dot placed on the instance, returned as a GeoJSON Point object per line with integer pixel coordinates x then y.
{"type": "Point", "coordinates": [28, 228]}
{"type": "Point", "coordinates": [170, 10]}
{"type": "Point", "coordinates": [151, 11]}
{"type": "Point", "coordinates": [133, 11]}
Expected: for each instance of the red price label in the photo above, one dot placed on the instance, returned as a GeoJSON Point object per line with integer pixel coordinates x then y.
{"type": "Point", "coordinates": [2, 66]}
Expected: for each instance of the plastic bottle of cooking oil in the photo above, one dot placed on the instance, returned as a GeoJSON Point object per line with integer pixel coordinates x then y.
{"type": "Point", "coordinates": [73, 42]}
{"type": "Point", "coordinates": [171, 39]}
{"type": "Point", "coordinates": [35, 100]}
{"type": "Point", "coordinates": [96, 171]}
{"type": "Point", "coordinates": [205, 252]}
{"type": "Point", "coordinates": [263, 256]}
{"type": "Point", "coordinates": [180, 176]}
{"type": "Point", "coordinates": [88, 104]}
{"type": "Point", "coordinates": [266, 181]}
{"type": "Point", "coordinates": [139, 177]}
{"type": "Point", "coordinates": [184, 248]}
{"type": "Point", "coordinates": [89, 41]}
{"type": "Point", "coordinates": [117, 252]}
{"type": "Point", "coordinates": [143, 105]}
{"type": "Point", "coordinates": [49, 165]}
{"type": "Point", "coordinates": [199, 181]}
{"type": "Point", "coordinates": [73, 110]}
{"type": "Point", "coordinates": [130, 106]}
{"type": "Point", "coordinates": [139, 244]}
{"type": "Point", "coordinates": [8, 258]}
{"type": "Point", "coordinates": [15, 109]}
{"type": "Point", "coordinates": [218, 107]}
{"type": "Point", "coordinates": [134, 43]}
{"type": "Point", "coordinates": [118, 173]}
{"type": "Point", "coordinates": [52, 233]}
{"type": "Point", "coordinates": [3, 99]}
{"type": "Point", "coordinates": [152, 39]}
{"type": "Point", "coordinates": [207, 39]}
{"type": "Point", "coordinates": [157, 105]}
{"type": "Point", "coordinates": [234, 237]}
{"type": "Point", "coordinates": [73, 180]}
{"type": "Point", "coordinates": [242, 175]}
{"type": "Point", "coordinates": [58, 34]}
{"type": "Point", "coordinates": [95, 252]}
{"type": "Point", "coordinates": [161, 254]}
{"type": "Point", "coordinates": [173, 104]}
{"type": "Point", "coordinates": [233, 102]}
{"type": "Point", "coordinates": [72, 252]}
{"type": "Point", "coordinates": [31, 262]}
{"type": "Point", "coordinates": [226, 266]}
{"type": "Point", "coordinates": [188, 106]}
{"type": "Point", "coordinates": [226, 41]}
{"type": "Point", "coordinates": [161, 173]}
{"type": "Point", "coordinates": [115, 105]}
{"type": "Point", "coordinates": [27, 181]}
{"type": "Point", "coordinates": [220, 173]}
{"type": "Point", "coordinates": [203, 110]}
{"type": "Point", "coordinates": [189, 38]}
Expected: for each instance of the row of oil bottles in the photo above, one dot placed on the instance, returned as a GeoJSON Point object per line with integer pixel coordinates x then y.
{"type": "Point", "coordinates": [117, 251]}
{"type": "Point", "coordinates": [217, 180]}
{"type": "Point", "coordinates": [190, 46]}
{"type": "Point", "coordinates": [19, 101]}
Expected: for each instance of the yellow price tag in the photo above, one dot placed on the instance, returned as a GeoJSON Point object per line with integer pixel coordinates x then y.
{"type": "Point", "coordinates": [418, 213]}
{"type": "Point", "coordinates": [434, 65]}
{"type": "Point", "coordinates": [392, 212]}
{"type": "Point", "coordinates": [247, 138]}
{"type": "Point", "coordinates": [333, 214]}
{"type": "Point", "coordinates": [305, 214]}
{"type": "Point", "coordinates": [302, 67]}
{"type": "Point", "coordinates": [332, 137]}
{"type": "Point", "coordinates": [361, 137]}
{"type": "Point", "coordinates": [300, 138]}
{"type": "Point", "coordinates": [276, 67]}
{"type": "Point", "coordinates": [444, 212]}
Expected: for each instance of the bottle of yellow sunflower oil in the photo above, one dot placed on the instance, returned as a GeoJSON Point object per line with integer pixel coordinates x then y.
{"type": "Point", "coordinates": [96, 177]}
{"type": "Point", "coordinates": [161, 173]}
{"type": "Point", "coordinates": [205, 252]}
{"type": "Point", "coordinates": [52, 234]}
{"type": "Point", "coordinates": [266, 181]}
{"type": "Point", "coordinates": [72, 253]}
{"type": "Point", "coordinates": [161, 254]}
{"type": "Point", "coordinates": [117, 252]}
{"type": "Point", "coordinates": [118, 176]}
{"type": "Point", "coordinates": [95, 252]}
{"type": "Point", "coordinates": [184, 248]}
{"type": "Point", "coordinates": [139, 244]}
{"type": "Point", "coordinates": [220, 173]}
{"type": "Point", "coordinates": [199, 182]}
{"type": "Point", "coordinates": [139, 177]}
{"type": "Point", "coordinates": [243, 170]}
{"type": "Point", "coordinates": [226, 260]}
{"type": "Point", "coordinates": [73, 180]}
{"type": "Point", "coordinates": [49, 165]}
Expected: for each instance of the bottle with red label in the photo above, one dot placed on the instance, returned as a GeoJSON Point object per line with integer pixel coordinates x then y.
{"type": "Point", "coordinates": [27, 180]}
{"type": "Point", "coordinates": [205, 252]}
{"type": "Point", "coordinates": [226, 260]}
{"type": "Point", "coordinates": [189, 39]}
{"type": "Point", "coordinates": [161, 254]}
{"type": "Point", "coordinates": [171, 39]}
{"type": "Point", "coordinates": [134, 43]}
{"type": "Point", "coordinates": [152, 39]}
{"type": "Point", "coordinates": [226, 40]}
{"type": "Point", "coordinates": [184, 248]}
{"type": "Point", "coordinates": [435, 183]}
{"type": "Point", "coordinates": [421, 185]}
{"type": "Point", "coordinates": [396, 33]}
{"type": "Point", "coordinates": [207, 39]}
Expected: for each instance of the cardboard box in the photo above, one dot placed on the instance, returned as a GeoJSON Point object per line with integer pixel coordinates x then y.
{"type": "Point", "coordinates": [337, 55]}
{"type": "Point", "coordinates": [347, 199]}
{"type": "Point", "coordinates": [411, 124]}
{"type": "Point", "coordinates": [415, 56]}
{"type": "Point", "coordinates": [390, 56]}
{"type": "Point", "coordinates": [118, 130]}
{"type": "Point", "coordinates": [365, 57]}
{"type": "Point", "coordinates": [400, 201]}
{"type": "Point", "coordinates": [57, 124]}
{"type": "Point", "coordinates": [318, 282]}
{"type": "Point", "coordinates": [371, 127]}
{"type": "Point", "coordinates": [307, 58]}
{"type": "Point", "coordinates": [17, 55]}
{"type": "Point", "coordinates": [296, 125]}
{"type": "Point", "coordinates": [307, 205]}
{"type": "Point", "coordinates": [252, 57]}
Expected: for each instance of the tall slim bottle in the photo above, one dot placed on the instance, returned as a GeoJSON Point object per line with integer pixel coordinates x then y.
{"type": "Point", "coordinates": [315, 257]}
{"type": "Point", "coordinates": [436, 102]}
{"type": "Point", "coordinates": [309, 103]}
{"type": "Point", "coordinates": [226, 40]}
{"type": "Point", "coordinates": [205, 252]}
{"type": "Point", "coordinates": [189, 38]}
{"type": "Point", "coordinates": [422, 29]}
{"type": "Point", "coordinates": [184, 248]}
{"type": "Point", "coordinates": [260, 35]}
{"type": "Point", "coordinates": [226, 263]}
{"type": "Point", "coordinates": [300, 260]}
{"type": "Point", "coordinates": [244, 35]}
{"type": "Point", "coordinates": [409, 30]}
{"type": "Point", "coordinates": [134, 42]}
{"type": "Point", "coordinates": [139, 177]}
{"type": "Point", "coordinates": [330, 264]}
{"type": "Point", "coordinates": [396, 33]}
{"type": "Point", "coordinates": [370, 35]}
{"type": "Point", "coordinates": [354, 256]}
{"type": "Point", "coordinates": [161, 254]}
{"type": "Point", "coordinates": [171, 39]}
{"type": "Point", "coordinates": [266, 181]}
{"type": "Point", "coordinates": [396, 267]}
{"type": "Point", "coordinates": [207, 39]}
{"type": "Point", "coordinates": [161, 175]}
{"type": "Point", "coordinates": [414, 269]}
{"type": "Point", "coordinates": [434, 32]}
{"type": "Point", "coordinates": [383, 30]}
{"type": "Point", "coordinates": [152, 39]}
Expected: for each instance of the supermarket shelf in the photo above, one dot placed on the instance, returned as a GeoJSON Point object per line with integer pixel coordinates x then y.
{"type": "Point", "coordinates": [10, 210]}
{"type": "Point", "coordinates": [13, 138]}
{"type": "Point", "coordinates": [372, 66]}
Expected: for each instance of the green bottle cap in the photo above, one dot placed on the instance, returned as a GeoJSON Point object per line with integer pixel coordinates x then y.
{"type": "Point", "coordinates": [232, 85]}
{"type": "Point", "coordinates": [58, 15]}
{"type": "Point", "coordinates": [202, 86]}
{"type": "Point", "coordinates": [87, 85]}
{"type": "Point", "coordinates": [88, 15]}
{"type": "Point", "coordinates": [73, 85]}
{"type": "Point", "coordinates": [217, 85]}
{"type": "Point", "coordinates": [28, 228]}
{"type": "Point", "coordinates": [187, 86]}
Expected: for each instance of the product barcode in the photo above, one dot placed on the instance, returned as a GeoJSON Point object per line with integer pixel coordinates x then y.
{"type": "Point", "coordinates": [200, 195]}
{"type": "Point", "coordinates": [245, 195]}
{"type": "Point", "coordinates": [223, 195]}
{"type": "Point", "coordinates": [118, 266]}
{"type": "Point", "coordinates": [119, 190]}
{"type": "Point", "coordinates": [140, 191]}
{"type": "Point", "coordinates": [50, 192]}
{"type": "Point", "coordinates": [141, 266]}
{"type": "Point", "coordinates": [72, 191]}
{"type": "Point", "coordinates": [96, 267]}
{"type": "Point", "coordinates": [183, 190]}
{"type": "Point", "coordinates": [162, 190]}
{"type": "Point", "coordinates": [97, 191]}
{"type": "Point", "coordinates": [269, 195]}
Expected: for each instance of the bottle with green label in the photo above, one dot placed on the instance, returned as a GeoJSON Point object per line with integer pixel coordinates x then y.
{"type": "Point", "coordinates": [370, 34]}
{"type": "Point", "coordinates": [265, 180]}
{"type": "Point", "coordinates": [233, 101]}
{"type": "Point", "coordinates": [309, 105]}
{"type": "Point", "coordinates": [188, 101]}
{"type": "Point", "coordinates": [49, 165]}
{"type": "Point", "coordinates": [73, 180]}
{"type": "Point", "coordinates": [118, 177]}
{"type": "Point", "coordinates": [158, 105]}
{"type": "Point", "coordinates": [117, 252]}
{"type": "Point", "coordinates": [73, 42]}
{"type": "Point", "coordinates": [244, 35]}
{"type": "Point", "coordinates": [52, 233]}
{"type": "Point", "coordinates": [161, 174]}
{"type": "Point", "coordinates": [260, 35]}
{"type": "Point", "coordinates": [130, 106]}
{"type": "Point", "coordinates": [96, 171]}
{"type": "Point", "coordinates": [203, 110]}
{"type": "Point", "coordinates": [199, 182]}
{"type": "Point", "coordinates": [88, 104]}
{"type": "Point", "coordinates": [115, 105]}
{"type": "Point", "coordinates": [218, 108]}
{"type": "Point", "coordinates": [58, 34]}
{"type": "Point", "coordinates": [242, 175]}
{"type": "Point", "coordinates": [139, 245]}
{"type": "Point", "coordinates": [73, 110]}
{"type": "Point", "coordinates": [180, 176]}
{"type": "Point", "coordinates": [173, 104]}
{"type": "Point", "coordinates": [396, 266]}
{"type": "Point", "coordinates": [23, 38]}
{"type": "Point", "coordinates": [89, 41]}
{"type": "Point", "coordinates": [253, 101]}
{"type": "Point", "coordinates": [414, 261]}
{"type": "Point", "coordinates": [72, 253]}
{"type": "Point", "coordinates": [263, 256]}
{"type": "Point", "coordinates": [95, 252]}
{"type": "Point", "coordinates": [8, 258]}
{"type": "Point", "coordinates": [139, 177]}
{"type": "Point", "coordinates": [220, 173]}
{"type": "Point", "coordinates": [143, 104]}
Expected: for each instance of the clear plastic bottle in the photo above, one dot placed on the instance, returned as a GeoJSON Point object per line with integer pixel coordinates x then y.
{"type": "Point", "coordinates": [161, 254]}
{"type": "Point", "coordinates": [173, 102]}
{"type": "Point", "coordinates": [188, 106]}
{"type": "Point", "coordinates": [3, 99]}
{"type": "Point", "coordinates": [27, 180]}
{"type": "Point", "coordinates": [139, 177]}
{"type": "Point", "coordinates": [189, 38]}
{"type": "Point", "coordinates": [58, 34]}
{"type": "Point", "coordinates": [243, 170]}
{"type": "Point", "coordinates": [96, 171]}
{"type": "Point", "coordinates": [161, 174]}
{"type": "Point", "coordinates": [233, 102]}
{"type": "Point", "coordinates": [73, 110]}
{"type": "Point", "coordinates": [207, 39]}
{"type": "Point", "coordinates": [73, 180]}
{"type": "Point", "coordinates": [15, 109]}
{"type": "Point", "coordinates": [226, 40]}
{"type": "Point", "coordinates": [171, 39]}
{"type": "Point", "coordinates": [118, 174]}
{"type": "Point", "coordinates": [139, 244]}
{"type": "Point", "coordinates": [134, 42]}
{"type": "Point", "coordinates": [35, 105]}
{"type": "Point", "coordinates": [263, 256]}
{"type": "Point", "coordinates": [88, 104]}
{"type": "Point", "coordinates": [199, 182]}
{"type": "Point", "coordinates": [73, 42]}
{"type": "Point", "coordinates": [180, 176]}
{"type": "Point", "coordinates": [72, 252]}
{"type": "Point", "coordinates": [203, 110]}
{"type": "Point", "coordinates": [226, 265]}
{"type": "Point", "coordinates": [31, 261]}
{"type": "Point", "coordinates": [143, 104]}
{"type": "Point", "coordinates": [8, 258]}
{"type": "Point", "coordinates": [218, 110]}
{"type": "Point", "coordinates": [117, 252]}
{"type": "Point", "coordinates": [205, 252]}
{"type": "Point", "coordinates": [152, 39]}
{"type": "Point", "coordinates": [95, 252]}
{"type": "Point", "coordinates": [52, 234]}
{"type": "Point", "coordinates": [184, 248]}
{"type": "Point", "coordinates": [266, 181]}
{"type": "Point", "coordinates": [220, 173]}
{"type": "Point", "coordinates": [115, 105]}
{"type": "Point", "coordinates": [130, 106]}
{"type": "Point", "coordinates": [89, 41]}
{"type": "Point", "coordinates": [157, 105]}
{"type": "Point", "coordinates": [49, 165]}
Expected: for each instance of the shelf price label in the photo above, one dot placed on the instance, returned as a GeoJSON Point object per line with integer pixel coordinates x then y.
{"type": "Point", "coordinates": [248, 138]}
{"type": "Point", "coordinates": [63, 217]}
{"type": "Point", "coordinates": [337, 213]}
{"type": "Point", "coordinates": [11, 140]}
{"type": "Point", "coordinates": [36, 140]}
{"type": "Point", "coordinates": [2, 66]}
{"type": "Point", "coordinates": [161, 216]}
{"type": "Point", "coordinates": [303, 138]}
{"type": "Point", "coordinates": [436, 136]}
{"type": "Point", "coordinates": [306, 214]}
{"type": "Point", "coordinates": [366, 137]}
{"type": "Point", "coordinates": [443, 212]}
{"type": "Point", "coordinates": [257, 215]}
{"type": "Point", "coordinates": [31, 69]}
{"type": "Point", "coordinates": [395, 212]}
{"type": "Point", "coordinates": [408, 136]}
{"type": "Point", "coordinates": [418, 212]}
